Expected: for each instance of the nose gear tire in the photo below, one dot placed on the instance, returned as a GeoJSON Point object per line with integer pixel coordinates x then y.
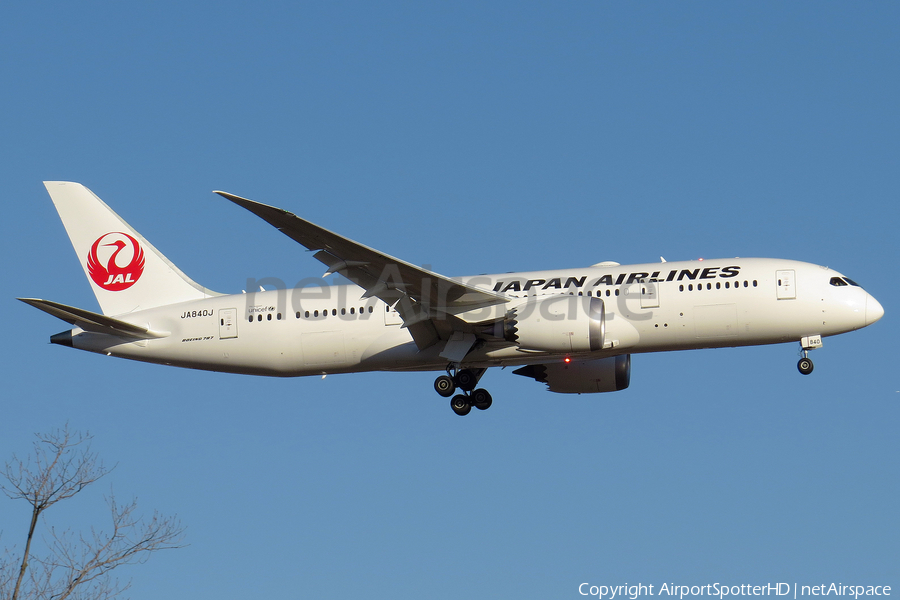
{"type": "Point", "coordinates": [805, 366]}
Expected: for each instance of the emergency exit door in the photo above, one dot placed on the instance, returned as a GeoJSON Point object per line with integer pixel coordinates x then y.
{"type": "Point", "coordinates": [649, 294]}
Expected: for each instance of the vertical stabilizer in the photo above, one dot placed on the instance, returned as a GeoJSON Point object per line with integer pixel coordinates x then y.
{"type": "Point", "coordinates": [125, 271]}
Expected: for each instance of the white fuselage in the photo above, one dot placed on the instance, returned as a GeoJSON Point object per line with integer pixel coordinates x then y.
{"type": "Point", "coordinates": [648, 308]}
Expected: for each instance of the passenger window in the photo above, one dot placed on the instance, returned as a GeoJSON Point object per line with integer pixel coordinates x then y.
{"type": "Point", "coordinates": [306, 314]}
{"type": "Point", "coordinates": [279, 316]}
{"type": "Point", "coordinates": [371, 309]}
{"type": "Point", "coordinates": [251, 318]}
{"type": "Point", "coordinates": [351, 310]}
{"type": "Point", "coordinates": [718, 285]}
{"type": "Point", "coordinates": [269, 317]}
{"type": "Point", "coordinates": [259, 317]}
{"type": "Point", "coordinates": [681, 288]}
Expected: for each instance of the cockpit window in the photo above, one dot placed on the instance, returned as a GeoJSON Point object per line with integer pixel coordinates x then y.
{"type": "Point", "coordinates": [839, 281]}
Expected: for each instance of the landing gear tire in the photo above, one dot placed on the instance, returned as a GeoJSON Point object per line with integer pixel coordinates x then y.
{"type": "Point", "coordinates": [460, 405]}
{"type": "Point", "coordinates": [481, 399]}
{"type": "Point", "coordinates": [466, 380]}
{"type": "Point", "coordinates": [805, 366]}
{"type": "Point", "coordinates": [444, 386]}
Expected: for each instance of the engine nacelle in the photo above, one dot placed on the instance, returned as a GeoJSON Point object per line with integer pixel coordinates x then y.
{"type": "Point", "coordinates": [583, 376]}
{"type": "Point", "coordinates": [558, 324]}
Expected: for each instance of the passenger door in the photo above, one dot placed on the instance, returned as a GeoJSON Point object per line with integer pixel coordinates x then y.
{"type": "Point", "coordinates": [227, 323]}
{"type": "Point", "coordinates": [785, 288]}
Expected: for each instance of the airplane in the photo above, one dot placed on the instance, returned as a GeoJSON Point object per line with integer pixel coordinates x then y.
{"type": "Point", "coordinates": [572, 329]}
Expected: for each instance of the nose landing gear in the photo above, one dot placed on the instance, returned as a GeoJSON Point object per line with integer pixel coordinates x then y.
{"type": "Point", "coordinates": [465, 380]}
{"type": "Point", "coordinates": [808, 343]}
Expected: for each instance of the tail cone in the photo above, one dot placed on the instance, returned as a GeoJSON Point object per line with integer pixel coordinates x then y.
{"type": "Point", "coordinates": [64, 338]}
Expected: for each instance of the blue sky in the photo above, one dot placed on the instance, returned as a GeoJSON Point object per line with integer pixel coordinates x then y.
{"type": "Point", "coordinates": [474, 138]}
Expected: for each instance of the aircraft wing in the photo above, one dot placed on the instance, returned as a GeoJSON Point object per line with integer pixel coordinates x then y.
{"type": "Point", "coordinates": [93, 322]}
{"type": "Point", "coordinates": [425, 300]}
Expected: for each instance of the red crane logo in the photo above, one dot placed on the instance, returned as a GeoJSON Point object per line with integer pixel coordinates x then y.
{"type": "Point", "coordinates": [114, 277]}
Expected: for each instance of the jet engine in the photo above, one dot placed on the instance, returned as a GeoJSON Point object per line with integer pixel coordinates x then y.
{"type": "Point", "coordinates": [557, 324]}
{"type": "Point", "coordinates": [583, 376]}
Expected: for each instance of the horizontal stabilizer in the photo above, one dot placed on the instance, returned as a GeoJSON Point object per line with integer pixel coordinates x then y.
{"type": "Point", "coordinates": [93, 322]}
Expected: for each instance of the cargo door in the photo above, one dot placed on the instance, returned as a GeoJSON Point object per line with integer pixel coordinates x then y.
{"type": "Point", "coordinates": [323, 348]}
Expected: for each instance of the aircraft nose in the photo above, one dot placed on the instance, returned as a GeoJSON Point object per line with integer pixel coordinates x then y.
{"type": "Point", "coordinates": [874, 310]}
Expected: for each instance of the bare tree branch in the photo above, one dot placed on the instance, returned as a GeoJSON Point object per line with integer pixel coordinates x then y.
{"type": "Point", "coordinates": [89, 560]}
{"type": "Point", "coordinates": [63, 466]}
{"type": "Point", "coordinates": [7, 573]}
{"type": "Point", "coordinates": [76, 567]}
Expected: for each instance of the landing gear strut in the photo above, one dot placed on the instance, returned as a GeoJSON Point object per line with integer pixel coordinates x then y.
{"type": "Point", "coordinates": [465, 380]}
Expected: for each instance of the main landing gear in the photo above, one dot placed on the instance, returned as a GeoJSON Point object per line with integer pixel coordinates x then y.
{"type": "Point", "coordinates": [465, 380]}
